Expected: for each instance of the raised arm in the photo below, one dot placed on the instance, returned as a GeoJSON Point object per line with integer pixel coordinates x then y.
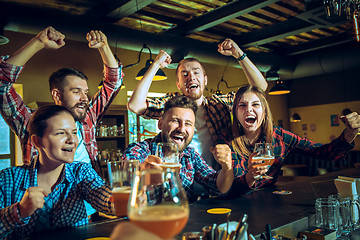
{"type": "Point", "coordinates": [98, 40]}
{"type": "Point", "coordinates": [47, 38]}
{"type": "Point", "coordinates": [137, 103]}
{"type": "Point", "coordinates": [352, 123]}
{"type": "Point", "coordinates": [252, 73]}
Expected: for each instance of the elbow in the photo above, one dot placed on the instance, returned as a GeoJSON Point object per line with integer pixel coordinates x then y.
{"type": "Point", "coordinates": [134, 108]}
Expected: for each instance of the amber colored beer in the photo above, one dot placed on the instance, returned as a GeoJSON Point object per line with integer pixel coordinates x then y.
{"type": "Point", "coordinates": [121, 197]}
{"type": "Point", "coordinates": [164, 221]}
{"type": "Point", "coordinates": [164, 166]}
{"type": "Point", "coordinates": [265, 161]}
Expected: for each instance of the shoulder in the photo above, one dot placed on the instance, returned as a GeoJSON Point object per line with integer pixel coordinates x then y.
{"type": "Point", "coordinates": [13, 174]}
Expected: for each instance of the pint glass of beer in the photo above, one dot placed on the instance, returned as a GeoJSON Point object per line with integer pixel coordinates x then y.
{"type": "Point", "coordinates": [168, 152]}
{"type": "Point", "coordinates": [159, 206]}
{"type": "Point", "coordinates": [121, 174]}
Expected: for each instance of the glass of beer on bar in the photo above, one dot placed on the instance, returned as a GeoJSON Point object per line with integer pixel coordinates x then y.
{"type": "Point", "coordinates": [264, 157]}
{"type": "Point", "coordinates": [121, 174]}
{"type": "Point", "coordinates": [168, 152]}
{"type": "Point", "coordinates": [158, 202]}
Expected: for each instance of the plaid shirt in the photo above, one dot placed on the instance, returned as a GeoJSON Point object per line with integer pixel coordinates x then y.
{"type": "Point", "coordinates": [193, 167]}
{"type": "Point", "coordinates": [63, 207]}
{"type": "Point", "coordinates": [17, 114]}
{"type": "Point", "coordinates": [217, 112]}
{"type": "Point", "coordinates": [284, 142]}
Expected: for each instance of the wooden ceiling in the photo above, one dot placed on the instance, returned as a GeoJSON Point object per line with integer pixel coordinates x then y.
{"type": "Point", "coordinates": [281, 27]}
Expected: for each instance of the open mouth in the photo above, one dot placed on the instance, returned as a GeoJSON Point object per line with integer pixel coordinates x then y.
{"type": "Point", "coordinates": [192, 86]}
{"type": "Point", "coordinates": [178, 138]}
{"type": "Point", "coordinates": [81, 107]}
{"type": "Point", "coordinates": [250, 120]}
{"type": "Point", "coordinates": [69, 149]}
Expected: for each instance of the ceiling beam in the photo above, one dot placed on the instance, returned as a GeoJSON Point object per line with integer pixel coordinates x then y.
{"type": "Point", "coordinates": [129, 8]}
{"type": "Point", "coordinates": [222, 14]}
{"type": "Point", "coordinates": [304, 22]}
{"type": "Point", "coordinates": [318, 44]}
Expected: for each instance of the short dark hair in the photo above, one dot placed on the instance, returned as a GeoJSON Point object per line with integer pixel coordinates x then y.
{"type": "Point", "coordinates": [56, 79]}
{"type": "Point", "coordinates": [37, 123]}
{"type": "Point", "coordinates": [181, 102]}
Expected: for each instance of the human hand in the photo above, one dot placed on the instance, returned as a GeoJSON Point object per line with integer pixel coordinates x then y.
{"type": "Point", "coordinates": [163, 59]}
{"type": "Point", "coordinates": [222, 154]}
{"type": "Point", "coordinates": [96, 39]}
{"type": "Point", "coordinates": [229, 48]}
{"type": "Point", "coordinates": [150, 162]}
{"type": "Point", "coordinates": [129, 231]}
{"type": "Point", "coordinates": [255, 171]}
{"type": "Point", "coordinates": [51, 38]}
{"type": "Point", "coordinates": [32, 200]}
{"type": "Point", "coordinates": [352, 123]}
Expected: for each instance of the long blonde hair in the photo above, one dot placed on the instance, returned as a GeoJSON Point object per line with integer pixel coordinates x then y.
{"type": "Point", "coordinates": [239, 142]}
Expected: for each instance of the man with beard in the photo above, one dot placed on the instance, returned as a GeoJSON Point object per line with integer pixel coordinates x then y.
{"type": "Point", "coordinates": [213, 119]}
{"type": "Point", "coordinates": [68, 88]}
{"type": "Point", "coordinates": [177, 125]}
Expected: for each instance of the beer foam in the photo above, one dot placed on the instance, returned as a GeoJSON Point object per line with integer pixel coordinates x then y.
{"type": "Point", "coordinates": [124, 189]}
{"type": "Point", "coordinates": [159, 213]}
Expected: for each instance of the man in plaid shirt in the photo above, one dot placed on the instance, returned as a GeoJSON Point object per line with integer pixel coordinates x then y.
{"type": "Point", "coordinates": [177, 125]}
{"type": "Point", "coordinates": [68, 88]}
{"type": "Point", "coordinates": [213, 119]}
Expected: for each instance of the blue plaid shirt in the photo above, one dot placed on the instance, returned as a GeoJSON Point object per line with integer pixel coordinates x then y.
{"type": "Point", "coordinates": [63, 207]}
{"type": "Point", "coordinates": [193, 167]}
{"type": "Point", "coordinates": [284, 142]}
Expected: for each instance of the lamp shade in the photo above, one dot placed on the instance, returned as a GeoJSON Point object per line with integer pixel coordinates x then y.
{"type": "Point", "coordinates": [3, 40]}
{"type": "Point", "coordinates": [159, 76]}
{"type": "Point", "coordinates": [295, 118]}
{"type": "Point", "coordinates": [279, 88]}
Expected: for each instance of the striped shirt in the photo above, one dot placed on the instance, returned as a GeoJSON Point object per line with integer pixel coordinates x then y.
{"type": "Point", "coordinates": [193, 167]}
{"type": "Point", "coordinates": [17, 114]}
{"type": "Point", "coordinates": [284, 142]}
{"type": "Point", "coordinates": [217, 112]}
{"type": "Point", "coordinates": [63, 207]}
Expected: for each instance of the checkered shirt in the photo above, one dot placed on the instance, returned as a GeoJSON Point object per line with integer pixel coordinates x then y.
{"type": "Point", "coordinates": [284, 142]}
{"type": "Point", "coordinates": [193, 167]}
{"type": "Point", "coordinates": [63, 207]}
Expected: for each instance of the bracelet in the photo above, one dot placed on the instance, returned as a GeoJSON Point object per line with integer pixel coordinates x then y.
{"type": "Point", "coordinates": [241, 57]}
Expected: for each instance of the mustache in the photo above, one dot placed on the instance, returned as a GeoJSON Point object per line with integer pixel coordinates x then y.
{"type": "Point", "coordinates": [80, 104]}
{"type": "Point", "coordinates": [182, 134]}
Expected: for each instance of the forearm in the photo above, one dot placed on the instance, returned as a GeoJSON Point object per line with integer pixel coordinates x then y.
{"type": "Point", "coordinates": [253, 75]}
{"type": "Point", "coordinates": [137, 102]}
{"type": "Point", "coordinates": [20, 57]}
{"type": "Point", "coordinates": [108, 57]}
{"type": "Point", "coordinates": [9, 219]}
{"type": "Point", "coordinates": [225, 179]}
{"type": "Point", "coordinates": [350, 134]}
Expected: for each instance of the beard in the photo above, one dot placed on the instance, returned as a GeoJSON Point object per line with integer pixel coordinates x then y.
{"type": "Point", "coordinates": [78, 116]}
{"type": "Point", "coordinates": [181, 147]}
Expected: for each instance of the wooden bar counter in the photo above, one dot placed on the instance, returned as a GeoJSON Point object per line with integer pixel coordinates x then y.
{"type": "Point", "coordinates": [262, 206]}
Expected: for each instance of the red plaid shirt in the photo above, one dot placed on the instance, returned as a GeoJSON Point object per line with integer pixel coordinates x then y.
{"type": "Point", "coordinates": [284, 142]}
{"type": "Point", "coordinates": [217, 112]}
{"type": "Point", "coordinates": [17, 114]}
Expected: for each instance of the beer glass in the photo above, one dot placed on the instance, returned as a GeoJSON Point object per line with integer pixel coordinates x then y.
{"type": "Point", "coordinates": [265, 155]}
{"type": "Point", "coordinates": [121, 175]}
{"type": "Point", "coordinates": [158, 202]}
{"type": "Point", "coordinates": [168, 152]}
{"type": "Point", "coordinates": [327, 214]}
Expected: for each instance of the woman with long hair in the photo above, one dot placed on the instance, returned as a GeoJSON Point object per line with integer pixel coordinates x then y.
{"type": "Point", "coordinates": [253, 123]}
